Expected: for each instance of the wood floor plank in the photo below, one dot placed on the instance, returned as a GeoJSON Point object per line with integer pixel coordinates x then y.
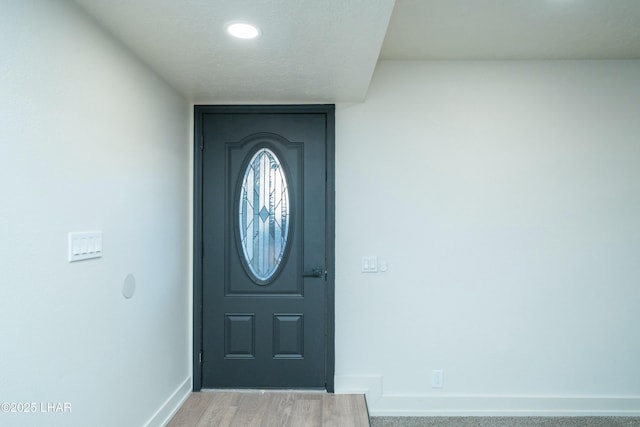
{"type": "Point", "coordinates": [222, 417]}
{"type": "Point", "coordinates": [279, 411]}
{"type": "Point", "coordinates": [271, 409]}
{"type": "Point", "coordinates": [221, 411]}
{"type": "Point", "coordinates": [342, 411]}
{"type": "Point", "coordinates": [192, 409]}
{"type": "Point", "coordinates": [359, 410]}
{"type": "Point", "coordinates": [252, 409]}
{"type": "Point", "coordinates": [306, 413]}
{"type": "Point", "coordinates": [333, 412]}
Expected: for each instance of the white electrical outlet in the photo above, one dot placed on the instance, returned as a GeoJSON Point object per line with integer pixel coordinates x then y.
{"type": "Point", "coordinates": [437, 378]}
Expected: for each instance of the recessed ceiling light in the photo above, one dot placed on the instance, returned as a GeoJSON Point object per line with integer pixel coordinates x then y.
{"type": "Point", "coordinates": [243, 30]}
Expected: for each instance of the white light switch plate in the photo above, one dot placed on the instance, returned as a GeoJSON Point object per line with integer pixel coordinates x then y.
{"type": "Point", "coordinates": [369, 264]}
{"type": "Point", "coordinates": [85, 245]}
{"type": "Point", "coordinates": [437, 378]}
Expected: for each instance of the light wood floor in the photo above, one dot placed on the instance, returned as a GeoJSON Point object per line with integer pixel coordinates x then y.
{"type": "Point", "coordinates": [277, 409]}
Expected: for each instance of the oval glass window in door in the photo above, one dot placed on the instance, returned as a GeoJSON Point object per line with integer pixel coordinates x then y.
{"type": "Point", "coordinates": [263, 215]}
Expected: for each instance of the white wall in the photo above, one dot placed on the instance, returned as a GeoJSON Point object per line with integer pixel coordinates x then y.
{"type": "Point", "coordinates": [505, 198]}
{"type": "Point", "coordinates": [89, 139]}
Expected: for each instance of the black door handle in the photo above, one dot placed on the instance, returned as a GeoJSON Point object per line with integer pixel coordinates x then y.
{"type": "Point", "coordinates": [316, 272]}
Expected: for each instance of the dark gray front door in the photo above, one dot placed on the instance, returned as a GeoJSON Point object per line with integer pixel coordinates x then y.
{"type": "Point", "coordinates": [264, 241]}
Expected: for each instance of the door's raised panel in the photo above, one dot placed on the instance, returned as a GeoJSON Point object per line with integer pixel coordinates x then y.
{"type": "Point", "coordinates": [239, 336]}
{"type": "Point", "coordinates": [288, 336]}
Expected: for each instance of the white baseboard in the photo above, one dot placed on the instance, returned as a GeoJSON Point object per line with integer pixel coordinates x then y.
{"type": "Point", "coordinates": [369, 385]}
{"type": "Point", "coordinates": [440, 404]}
{"type": "Point", "coordinates": [164, 414]}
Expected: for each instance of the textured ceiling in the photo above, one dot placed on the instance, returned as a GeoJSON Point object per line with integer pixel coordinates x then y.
{"type": "Point", "coordinates": [326, 50]}
{"type": "Point", "coordinates": [513, 29]}
{"type": "Point", "coordinates": [309, 50]}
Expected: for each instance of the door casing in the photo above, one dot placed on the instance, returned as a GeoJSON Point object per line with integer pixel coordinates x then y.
{"type": "Point", "coordinates": [329, 111]}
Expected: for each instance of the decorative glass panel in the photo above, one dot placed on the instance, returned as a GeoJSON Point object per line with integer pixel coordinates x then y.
{"type": "Point", "coordinates": [264, 214]}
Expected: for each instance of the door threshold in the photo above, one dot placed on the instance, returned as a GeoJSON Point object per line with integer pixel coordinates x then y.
{"type": "Point", "coordinates": [265, 390]}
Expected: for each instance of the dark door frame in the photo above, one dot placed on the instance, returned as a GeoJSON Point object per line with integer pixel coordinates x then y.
{"type": "Point", "coordinates": [199, 112]}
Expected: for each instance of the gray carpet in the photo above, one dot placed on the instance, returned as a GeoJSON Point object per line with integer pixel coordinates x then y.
{"type": "Point", "coordinates": [505, 421]}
